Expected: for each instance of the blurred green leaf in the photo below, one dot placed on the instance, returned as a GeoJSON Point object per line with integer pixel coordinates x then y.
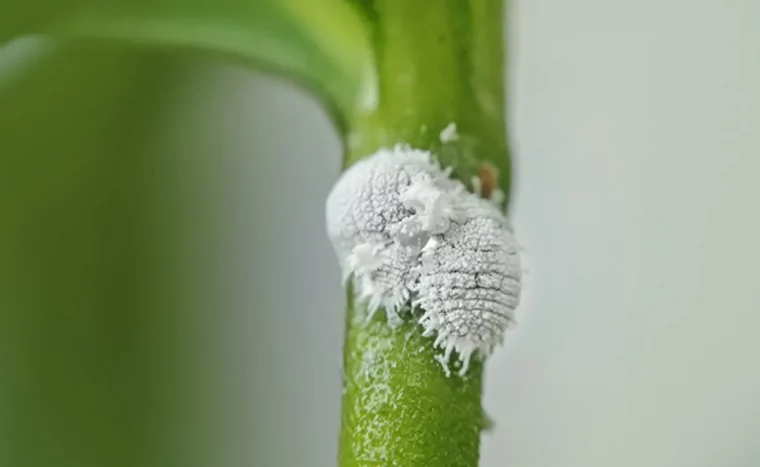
{"type": "Point", "coordinates": [83, 353]}
{"type": "Point", "coordinates": [19, 17]}
{"type": "Point", "coordinates": [322, 44]}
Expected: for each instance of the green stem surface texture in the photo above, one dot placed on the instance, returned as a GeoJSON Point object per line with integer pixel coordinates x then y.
{"type": "Point", "coordinates": [438, 62]}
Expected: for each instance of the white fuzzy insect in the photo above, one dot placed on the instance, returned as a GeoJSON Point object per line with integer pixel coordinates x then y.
{"type": "Point", "coordinates": [409, 235]}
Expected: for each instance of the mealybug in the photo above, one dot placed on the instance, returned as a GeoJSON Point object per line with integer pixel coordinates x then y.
{"type": "Point", "coordinates": [409, 235]}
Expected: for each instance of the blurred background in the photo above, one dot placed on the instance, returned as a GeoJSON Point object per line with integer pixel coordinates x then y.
{"type": "Point", "coordinates": [199, 189]}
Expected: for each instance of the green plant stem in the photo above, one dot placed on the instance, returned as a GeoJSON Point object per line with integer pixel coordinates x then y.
{"type": "Point", "coordinates": [439, 62]}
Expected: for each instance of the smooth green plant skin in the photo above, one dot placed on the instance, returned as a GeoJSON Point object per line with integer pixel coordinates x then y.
{"type": "Point", "coordinates": [439, 62]}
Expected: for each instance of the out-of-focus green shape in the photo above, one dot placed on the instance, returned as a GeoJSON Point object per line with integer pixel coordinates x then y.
{"type": "Point", "coordinates": [84, 312]}
{"type": "Point", "coordinates": [322, 44]}
{"type": "Point", "coordinates": [22, 16]}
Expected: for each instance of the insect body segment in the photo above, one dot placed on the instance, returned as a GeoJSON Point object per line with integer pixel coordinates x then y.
{"type": "Point", "coordinates": [469, 287]}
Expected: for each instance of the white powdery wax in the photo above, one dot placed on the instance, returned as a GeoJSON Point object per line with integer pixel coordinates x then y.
{"type": "Point", "coordinates": [408, 234]}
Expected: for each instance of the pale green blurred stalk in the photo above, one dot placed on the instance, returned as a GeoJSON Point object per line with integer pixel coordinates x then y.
{"type": "Point", "coordinates": [86, 312]}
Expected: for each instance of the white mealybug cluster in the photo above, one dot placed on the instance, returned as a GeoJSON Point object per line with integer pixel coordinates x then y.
{"type": "Point", "coordinates": [409, 235]}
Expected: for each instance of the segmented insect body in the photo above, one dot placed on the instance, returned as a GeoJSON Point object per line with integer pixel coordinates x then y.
{"type": "Point", "coordinates": [384, 275]}
{"type": "Point", "coordinates": [410, 235]}
{"type": "Point", "coordinates": [469, 287]}
{"type": "Point", "coordinates": [365, 201]}
{"type": "Point", "coordinates": [375, 218]}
